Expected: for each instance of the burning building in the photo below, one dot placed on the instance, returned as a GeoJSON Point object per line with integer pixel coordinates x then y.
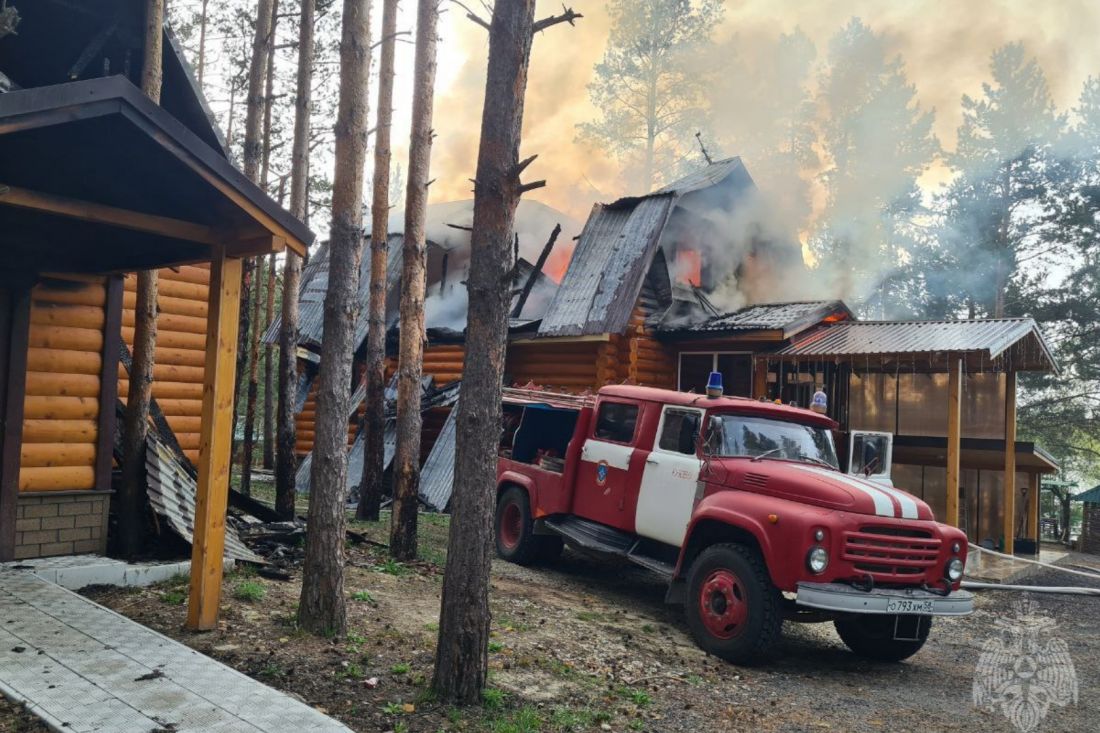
{"type": "Point", "coordinates": [666, 288]}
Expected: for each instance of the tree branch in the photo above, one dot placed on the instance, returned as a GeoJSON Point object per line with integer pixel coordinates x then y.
{"type": "Point", "coordinates": [567, 16]}
{"type": "Point", "coordinates": [525, 187]}
{"type": "Point", "coordinates": [472, 15]}
{"type": "Point", "coordinates": [522, 166]}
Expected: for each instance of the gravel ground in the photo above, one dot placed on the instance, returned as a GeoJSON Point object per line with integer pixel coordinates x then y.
{"type": "Point", "coordinates": [590, 645]}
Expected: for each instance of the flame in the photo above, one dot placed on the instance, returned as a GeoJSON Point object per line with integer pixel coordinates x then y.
{"type": "Point", "coordinates": [689, 267]}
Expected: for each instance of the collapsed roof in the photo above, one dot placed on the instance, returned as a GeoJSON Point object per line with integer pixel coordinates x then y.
{"type": "Point", "coordinates": [678, 248]}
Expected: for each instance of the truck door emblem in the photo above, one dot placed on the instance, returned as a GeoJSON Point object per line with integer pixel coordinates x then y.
{"type": "Point", "coordinates": [601, 473]}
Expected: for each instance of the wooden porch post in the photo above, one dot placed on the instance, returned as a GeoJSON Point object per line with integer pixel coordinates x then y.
{"type": "Point", "coordinates": [1009, 526]}
{"type": "Point", "coordinates": [759, 378]}
{"type": "Point", "coordinates": [15, 322]}
{"type": "Point", "coordinates": [954, 437]}
{"type": "Point", "coordinates": [222, 326]}
{"type": "Point", "coordinates": [1033, 489]}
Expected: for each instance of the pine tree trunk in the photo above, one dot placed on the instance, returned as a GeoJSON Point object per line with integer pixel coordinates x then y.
{"type": "Point", "coordinates": [269, 371]}
{"type": "Point", "coordinates": [411, 350]}
{"type": "Point", "coordinates": [285, 462]}
{"type": "Point", "coordinates": [253, 156]}
{"type": "Point", "coordinates": [322, 607]}
{"type": "Point", "coordinates": [462, 651]}
{"type": "Point", "coordinates": [131, 495]}
{"type": "Point", "coordinates": [201, 70]}
{"type": "Point", "coordinates": [370, 491]}
{"type": "Point", "coordinates": [249, 448]}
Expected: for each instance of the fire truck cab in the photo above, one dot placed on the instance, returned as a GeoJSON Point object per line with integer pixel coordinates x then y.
{"type": "Point", "coordinates": [739, 504]}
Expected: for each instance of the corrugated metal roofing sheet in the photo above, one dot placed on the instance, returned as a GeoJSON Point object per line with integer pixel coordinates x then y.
{"type": "Point", "coordinates": [849, 338]}
{"type": "Point", "coordinates": [172, 496]}
{"type": "Point", "coordinates": [711, 175]}
{"type": "Point", "coordinates": [438, 473]}
{"type": "Point", "coordinates": [762, 316]}
{"type": "Point", "coordinates": [314, 285]}
{"type": "Point", "coordinates": [601, 286]}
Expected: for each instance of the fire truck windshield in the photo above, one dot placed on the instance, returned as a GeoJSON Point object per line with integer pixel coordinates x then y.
{"type": "Point", "coordinates": [731, 435]}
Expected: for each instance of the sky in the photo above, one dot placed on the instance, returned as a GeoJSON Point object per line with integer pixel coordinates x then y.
{"type": "Point", "coordinates": [945, 46]}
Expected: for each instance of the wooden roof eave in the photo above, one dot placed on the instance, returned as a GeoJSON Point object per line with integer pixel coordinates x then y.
{"type": "Point", "coordinates": [272, 228]}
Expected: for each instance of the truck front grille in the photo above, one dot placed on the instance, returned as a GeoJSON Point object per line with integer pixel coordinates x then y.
{"type": "Point", "coordinates": [891, 554]}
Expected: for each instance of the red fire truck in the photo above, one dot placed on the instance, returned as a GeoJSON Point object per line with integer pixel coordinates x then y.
{"type": "Point", "coordinates": [739, 503]}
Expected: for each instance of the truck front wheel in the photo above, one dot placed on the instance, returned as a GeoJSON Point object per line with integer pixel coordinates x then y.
{"type": "Point", "coordinates": [872, 636]}
{"type": "Point", "coordinates": [733, 609]}
{"type": "Point", "coordinates": [516, 540]}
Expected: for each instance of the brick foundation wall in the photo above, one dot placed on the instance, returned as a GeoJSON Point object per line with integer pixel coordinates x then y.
{"type": "Point", "coordinates": [61, 523]}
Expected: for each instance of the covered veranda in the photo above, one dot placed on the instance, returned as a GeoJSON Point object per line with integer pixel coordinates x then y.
{"type": "Point", "coordinates": [96, 179]}
{"type": "Point", "coordinates": [947, 392]}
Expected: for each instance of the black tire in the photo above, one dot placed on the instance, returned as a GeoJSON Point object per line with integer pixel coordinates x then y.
{"type": "Point", "coordinates": [513, 528]}
{"type": "Point", "coordinates": [872, 636]}
{"type": "Point", "coordinates": [550, 548]}
{"type": "Point", "coordinates": [733, 609]}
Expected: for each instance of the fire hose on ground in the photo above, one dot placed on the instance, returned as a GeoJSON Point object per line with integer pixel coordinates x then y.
{"type": "Point", "coordinates": [1062, 590]}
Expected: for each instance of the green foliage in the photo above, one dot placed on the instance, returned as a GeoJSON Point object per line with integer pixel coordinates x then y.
{"type": "Point", "coordinates": [363, 596]}
{"type": "Point", "coordinates": [389, 566]}
{"type": "Point", "coordinates": [493, 698]}
{"type": "Point", "coordinates": [174, 597]}
{"type": "Point", "coordinates": [249, 590]}
{"type": "Point", "coordinates": [400, 668]}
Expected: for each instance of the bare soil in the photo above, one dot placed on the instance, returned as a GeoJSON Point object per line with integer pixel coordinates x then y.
{"type": "Point", "coordinates": [589, 645]}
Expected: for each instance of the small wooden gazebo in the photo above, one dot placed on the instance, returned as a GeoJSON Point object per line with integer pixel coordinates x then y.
{"type": "Point", "coordinates": [96, 180]}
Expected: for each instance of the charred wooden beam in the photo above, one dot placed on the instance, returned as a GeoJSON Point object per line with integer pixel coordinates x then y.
{"type": "Point", "coordinates": [533, 278]}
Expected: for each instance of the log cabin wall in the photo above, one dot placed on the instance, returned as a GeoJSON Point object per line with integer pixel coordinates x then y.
{"type": "Point", "coordinates": [181, 348]}
{"type": "Point", "coordinates": [64, 482]}
{"type": "Point", "coordinates": [572, 366]}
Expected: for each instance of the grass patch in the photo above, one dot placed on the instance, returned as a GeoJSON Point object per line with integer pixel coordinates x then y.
{"type": "Point", "coordinates": [495, 647]}
{"type": "Point", "coordinates": [392, 567]}
{"type": "Point", "coordinates": [364, 597]}
{"type": "Point", "coordinates": [174, 597]}
{"type": "Point", "coordinates": [400, 668]}
{"type": "Point", "coordinates": [493, 698]}
{"type": "Point", "coordinates": [250, 591]}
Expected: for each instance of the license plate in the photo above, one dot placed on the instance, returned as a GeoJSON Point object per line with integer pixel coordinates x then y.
{"type": "Point", "coordinates": [908, 605]}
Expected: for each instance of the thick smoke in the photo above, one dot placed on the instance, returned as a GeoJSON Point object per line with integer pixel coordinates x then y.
{"type": "Point", "coordinates": [945, 48]}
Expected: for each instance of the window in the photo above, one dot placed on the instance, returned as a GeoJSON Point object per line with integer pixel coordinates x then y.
{"type": "Point", "coordinates": [736, 372]}
{"type": "Point", "coordinates": [870, 454]}
{"type": "Point", "coordinates": [616, 422]}
{"type": "Point", "coordinates": [679, 430]}
{"type": "Point", "coordinates": [742, 435]}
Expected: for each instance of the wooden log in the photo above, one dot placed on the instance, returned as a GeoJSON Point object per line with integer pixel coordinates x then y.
{"type": "Point", "coordinates": [81, 316]}
{"type": "Point", "coordinates": [186, 424]}
{"type": "Point", "coordinates": [175, 289]}
{"type": "Point", "coordinates": [66, 337]}
{"type": "Point", "coordinates": [62, 385]}
{"type": "Point", "coordinates": [59, 431]}
{"type": "Point", "coordinates": [89, 294]}
{"type": "Point", "coordinates": [172, 407]}
{"type": "Point", "coordinates": [169, 304]}
{"type": "Point", "coordinates": [181, 357]}
{"type": "Point", "coordinates": [53, 407]}
{"type": "Point", "coordinates": [188, 441]}
{"type": "Point", "coordinates": [56, 478]}
{"type": "Point", "coordinates": [57, 454]}
{"type": "Point", "coordinates": [177, 390]}
{"type": "Point", "coordinates": [170, 339]}
{"type": "Point", "coordinates": [63, 361]}
{"type": "Point", "coordinates": [170, 322]}
{"type": "Point", "coordinates": [188, 274]}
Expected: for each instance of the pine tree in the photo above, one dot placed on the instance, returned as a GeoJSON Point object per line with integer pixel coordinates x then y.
{"type": "Point", "coordinates": [411, 348]}
{"type": "Point", "coordinates": [462, 653]}
{"type": "Point", "coordinates": [649, 87]}
{"type": "Point", "coordinates": [878, 141]}
{"type": "Point", "coordinates": [322, 608]}
{"type": "Point", "coordinates": [370, 485]}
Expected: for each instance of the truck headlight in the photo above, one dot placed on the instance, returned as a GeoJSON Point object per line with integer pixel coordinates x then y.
{"type": "Point", "coordinates": [817, 560]}
{"type": "Point", "coordinates": [954, 569]}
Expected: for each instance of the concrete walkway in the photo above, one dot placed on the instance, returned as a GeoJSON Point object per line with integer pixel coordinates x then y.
{"type": "Point", "coordinates": [83, 668]}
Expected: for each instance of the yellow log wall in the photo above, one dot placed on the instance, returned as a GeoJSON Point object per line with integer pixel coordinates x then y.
{"type": "Point", "coordinates": [181, 344]}
{"type": "Point", "coordinates": [61, 406]}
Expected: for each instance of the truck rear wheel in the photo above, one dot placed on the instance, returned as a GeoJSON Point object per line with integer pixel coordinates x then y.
{"type": "Point", "coordinates": [733, 609]}
{"type": "Point", "coordinates": [872, 636]}
{"type": "Point", "coordinates": [516, 540]}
